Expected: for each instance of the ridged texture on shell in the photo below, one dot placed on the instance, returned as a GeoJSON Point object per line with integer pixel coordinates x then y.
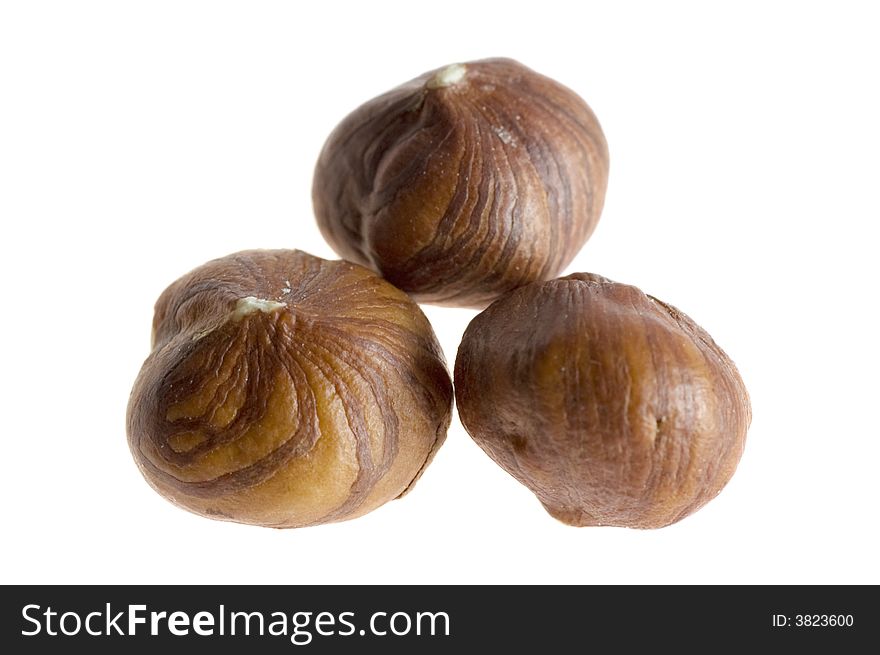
{"type": "Point", "coordinates": [286, 390]}
{"type": "Point", "coordinates": [613, 407]}
{"type": "Point", "coordinates": [461, 192]}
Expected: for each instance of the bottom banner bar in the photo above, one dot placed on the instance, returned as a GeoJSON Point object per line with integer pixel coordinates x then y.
{"type": "Point", "coordinates": [432, 619]}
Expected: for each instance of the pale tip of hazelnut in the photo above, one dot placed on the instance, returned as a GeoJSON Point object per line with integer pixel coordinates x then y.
{"type": "Point", "coordinates": [243, 307]}
{"type": "Point", "coordinates": [448, 76]}
{"type": "Point", "coordinates": [250, 304]}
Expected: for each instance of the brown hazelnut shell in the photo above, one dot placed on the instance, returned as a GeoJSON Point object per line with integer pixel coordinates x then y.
{"type": "Point", "coordinates": [613, 407]}
{"type": "Point", "coordinates": [285, 390]}
{"type": "Point", "coordinates": [465, 182]}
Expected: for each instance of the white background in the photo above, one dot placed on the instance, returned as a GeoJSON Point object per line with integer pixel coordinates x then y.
{"type": "Point", "coordinates": [138, 140]}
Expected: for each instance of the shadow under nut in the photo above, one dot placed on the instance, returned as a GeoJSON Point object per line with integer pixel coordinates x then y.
{"type": "Point", "coordinates": [285, 390]}
{"type": "Point", "coordinates": [613, 407]}
{"type": "Point", "coordinates": [465, 182]}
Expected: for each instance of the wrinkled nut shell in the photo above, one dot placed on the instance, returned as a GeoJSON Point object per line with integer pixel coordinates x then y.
{"type": "Point", "coordinates": [614, 408]}
{"type": "Point", "coordinates": [285, 390]}
{"type": "Point", "coordinates": [465, 182]}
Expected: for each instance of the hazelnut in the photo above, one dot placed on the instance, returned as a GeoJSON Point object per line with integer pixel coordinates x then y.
{"type": "Point", "coordinates": [613, 407]}
{"type": "Point", "coordinates": [285, 390]}
{"type": "Point", "coordinates": [465, 182]}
